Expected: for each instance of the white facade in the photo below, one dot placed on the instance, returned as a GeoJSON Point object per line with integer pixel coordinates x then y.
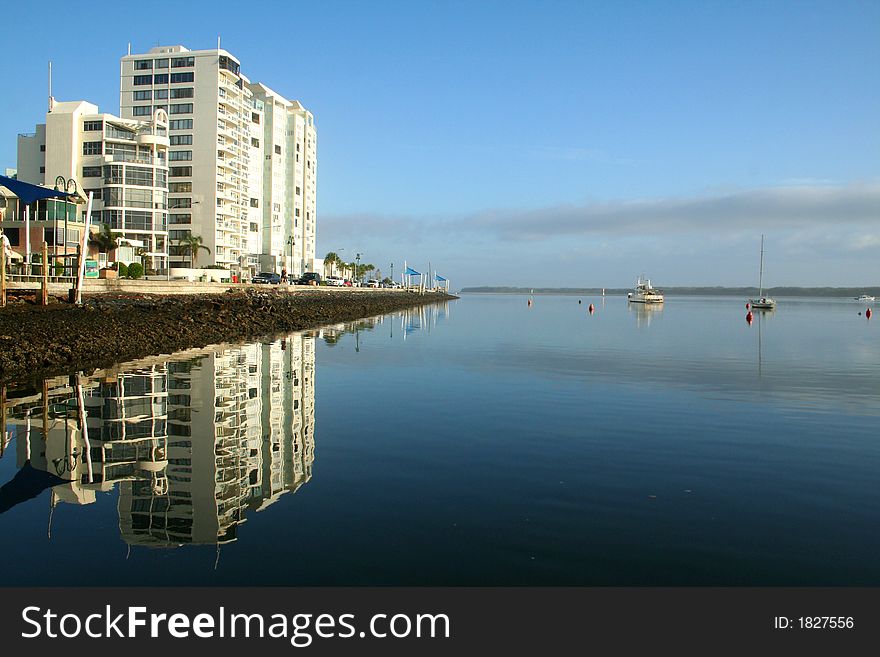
{"type": "Point", "coordinates": [122, 161]}
{"type": "Point", "coordinates": [216, 160]}
{"type": "Point", "coordinates": [289, 181]}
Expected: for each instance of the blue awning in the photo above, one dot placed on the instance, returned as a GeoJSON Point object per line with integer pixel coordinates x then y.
{"type": "Point", "coordinates": [439, 278]}
{"type": "Point", "coordinates": [29, 193]}
{"type": "Point", "coordinates": [411, 272]}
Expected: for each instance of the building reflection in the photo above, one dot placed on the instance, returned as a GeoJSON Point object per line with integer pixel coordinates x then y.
{"type": "Point", "coordinates": [192, 443]}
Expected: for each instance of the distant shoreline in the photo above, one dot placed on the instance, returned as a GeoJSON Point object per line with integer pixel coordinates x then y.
{"type": "Point", "coordinates": [687, 291]}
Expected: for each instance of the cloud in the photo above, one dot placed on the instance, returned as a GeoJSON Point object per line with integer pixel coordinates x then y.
{"type": "Point", "coordinates": [801, 207]}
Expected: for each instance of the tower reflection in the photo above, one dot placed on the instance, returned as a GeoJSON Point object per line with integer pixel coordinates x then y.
{"type": "Point", "coordinates": [192, 443]}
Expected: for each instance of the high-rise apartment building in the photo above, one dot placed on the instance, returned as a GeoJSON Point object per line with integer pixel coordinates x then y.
{"type": "Point", "coordinates": [289, 181]}
{"type": "Point", "coordinates": [227, 150]}
{"type": "Point", "coordinates": [123, 162]}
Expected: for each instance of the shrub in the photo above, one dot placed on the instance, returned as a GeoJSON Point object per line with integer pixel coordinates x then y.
{"type": "Point", "coordinates": [135, 270]}
{"type": "Point", "coordinates": [122, 268]}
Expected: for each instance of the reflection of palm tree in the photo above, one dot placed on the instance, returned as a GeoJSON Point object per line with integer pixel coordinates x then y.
{"type": "Point", "coordinates": [192, 244]}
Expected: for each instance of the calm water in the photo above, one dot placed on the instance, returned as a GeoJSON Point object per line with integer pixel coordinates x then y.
{"type": "Point", "coordinates": [479, 442]}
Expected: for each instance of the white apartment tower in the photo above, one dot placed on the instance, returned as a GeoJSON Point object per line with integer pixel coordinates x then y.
{"type": "Point", "coordinates": [289, 182]}
{"type": "Point", "coordinates": [242, 159]}
{"type": "Point", "coordinates": [123, 162]}
{"type": "Point", "coordinates": [214, 133]}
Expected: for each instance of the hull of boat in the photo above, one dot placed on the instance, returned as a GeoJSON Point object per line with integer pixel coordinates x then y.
{"type": "Point", "coordinates": [654, 298]}
{"type": "Point", "coordinates": [762, 305]}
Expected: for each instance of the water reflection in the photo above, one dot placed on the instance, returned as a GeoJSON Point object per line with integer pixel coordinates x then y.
{"type": "Point", "coordinates": [645, 313]}
{"type": "Point", "coordinates": [192, 443]}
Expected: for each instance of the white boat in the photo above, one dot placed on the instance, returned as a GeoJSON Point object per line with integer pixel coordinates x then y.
{"type": "Point", "coordinates": [865, 298]}
{"type": "Point", "coordinates": [644, 292]}
{"type": "Point", "coordinates": [762, 302]}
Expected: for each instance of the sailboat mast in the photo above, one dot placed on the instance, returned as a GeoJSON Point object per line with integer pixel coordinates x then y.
{"type": "Point", "coordinates": [761, 271]}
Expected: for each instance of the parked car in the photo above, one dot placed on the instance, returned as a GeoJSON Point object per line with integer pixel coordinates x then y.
{"type": "Point", "coordinates": [268, 277]}
{"type": "Point", "coordinates": [372, 283]}
{"type": "Point", "coordinates": [308, 277]}
{"type": "Point", "coordinates": [335, 281]}
{"type": "Point", "coordinates": [347, 283]}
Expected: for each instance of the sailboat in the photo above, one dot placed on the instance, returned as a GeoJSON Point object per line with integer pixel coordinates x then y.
{"type": "Point", "coordinates": [762, 302]}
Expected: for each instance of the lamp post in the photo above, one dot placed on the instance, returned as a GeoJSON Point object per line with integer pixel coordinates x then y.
{"type": "Point", "coordinates": [392, 273]}
{"type": "Point", "coordinates": [63, 185]}
{"type": "Point", "coordinates": [338, 259]}
{"type": "Point", "coordinates": [291, 242]}
{"type": "Point", "coordinates": [357, 268]}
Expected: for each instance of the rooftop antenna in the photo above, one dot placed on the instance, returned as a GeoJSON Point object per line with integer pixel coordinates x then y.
{"type": "Point", "coordinates": [218, 42]}
{"type": "Point", "coordinates": [129, 48]}
{"type": "Point", "coordinates": [51, 100]}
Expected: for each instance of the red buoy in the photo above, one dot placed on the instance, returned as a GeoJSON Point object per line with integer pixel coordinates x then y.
{"type": "Point", "coordinates": [868, 313]}
{"type": "Point", "coordinates": [591, 309]}
{"type": "Point", "coordinates": [748, 305]}
{"type": "Point", "coordinates": [749, 317]}
{"type": "Point", "coordinates": [530, 302]}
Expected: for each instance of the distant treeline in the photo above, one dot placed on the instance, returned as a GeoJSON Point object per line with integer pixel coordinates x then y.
{"type": "Point", "coordinates": [682, 291]}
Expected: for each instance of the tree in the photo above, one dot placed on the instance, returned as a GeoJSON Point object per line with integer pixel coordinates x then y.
{"type": "Point", "coordinates": [105, 240]}
{"type": "Point", "coordinates": [192, 244]}
{"type": "Point", "coordinates": [333, 260]}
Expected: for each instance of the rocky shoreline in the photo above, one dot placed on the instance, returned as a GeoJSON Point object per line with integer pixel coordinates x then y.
{"type": "Point", "coordinates": [37, 341]}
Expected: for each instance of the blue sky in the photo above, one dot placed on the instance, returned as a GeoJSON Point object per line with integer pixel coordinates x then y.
{"type": "Point", "coordinates": [543, 143]}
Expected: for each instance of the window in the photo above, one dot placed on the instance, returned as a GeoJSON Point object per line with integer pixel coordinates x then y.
{"type": "Point", "coordinates": [143, 79]}
{"type": "Point", "coordinates": [177, 156]}
{"type": "Point", "coordinates": [276, 207]}
{"type": "Point", "coordinates": [229, 64]}
{"type": "Point", "coordinates": [180, 62]}
{"type": "Point", "coordinates": [146, 94]}
{"type": "Point", "coordinates": [93, 125]}
{"type": "Point", "coordinates": [141, 176]}
{"type": "Point", "coordinates": [161, 178]}
{"type": "Point", "coordinates": [91, 172]}
{"type": "Point", "coordinates": [179, 172]}
{"type": "Point", "coordinates": [255, 202]}
{"type": "Point", "coordinates": [113, 174]}
{"type": "Point", "coordinates": [183, 77]}
{"type": "Point", "coordinates": [255, 227]}
{"type": "Point", "coordinates": [13, 235]}
{"type": "Point", "coordinates": [113, 218]}
{"type": "Point", "coordinates": [143, 64]}
{"type": "Point", "coordinates": [139, 220]}
{"type": "Point", "coordinates": [179, 187]}
{"type": "Point", "coordinates": [181, 108]}
{"type": "Point", "coordinates": [180, 124]}
{"type": "Point", "coordinates": [53, 237]}
{"type": "Point", "coordinates": [96, 193]}
{"type": "Point", "coordinates": [92, 148]}
{"type": "Point", "coordinates": [160, 78]}
{"type": "Point", "coordinates": [112, 196]}
{"type": "Point", "coordinates": [160, 63]}
{"type": "Point", "coordinates": [138, 198]}
{"type": "Point", "coordinates": [277, 149]}
{"type": "Point", "coordinates": [177, 140]}
{"type": "Point", "coordinates": [179, 203]}
{"type": "Point", "coordinates": [42, 148]}
{"type": "Point", "coordinates": [160, 94]}
{"type": "Point", "coordinates": [178, 234]}
{"type": "Point", "coordinates": [176, 219]}
{"type": "Point", "coordinates": [298, 191]}
{"type": "Point", "coordinates": [296, 212]}
{"type": "Point", "coordinates": [164, 108]}
{"type": "Point", "coordinates": [42, 169]}
{"type": "Point", "coordinates": [140, 110]}
{"type": "Point", "coordinates": [255, 117]}
{"type": "Point", "coordinates": [255, 142]}
{"type": "Point", "coordinates": [182, 92]}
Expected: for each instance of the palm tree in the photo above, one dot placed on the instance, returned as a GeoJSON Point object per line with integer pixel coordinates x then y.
{"type": "Point", "coordinates": [331, 259]}
{"type": "Point", "coordinates": [192, 244]}
{"type": "Point", "coordinates": [105, 240]}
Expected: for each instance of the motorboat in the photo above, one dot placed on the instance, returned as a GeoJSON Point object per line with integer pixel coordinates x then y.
{"type": "Point", "coordinates": [644, 292]}
{"type": "Point", "coordinates": [865, 298]}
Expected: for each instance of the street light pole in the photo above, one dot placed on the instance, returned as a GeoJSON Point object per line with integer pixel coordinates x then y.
{"type": "Point", "coordinates": [392, 273]}
{"type": "Point", "coordinates": [63, 185]}
{"type": "Point", "coordinates": [357, 268]}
